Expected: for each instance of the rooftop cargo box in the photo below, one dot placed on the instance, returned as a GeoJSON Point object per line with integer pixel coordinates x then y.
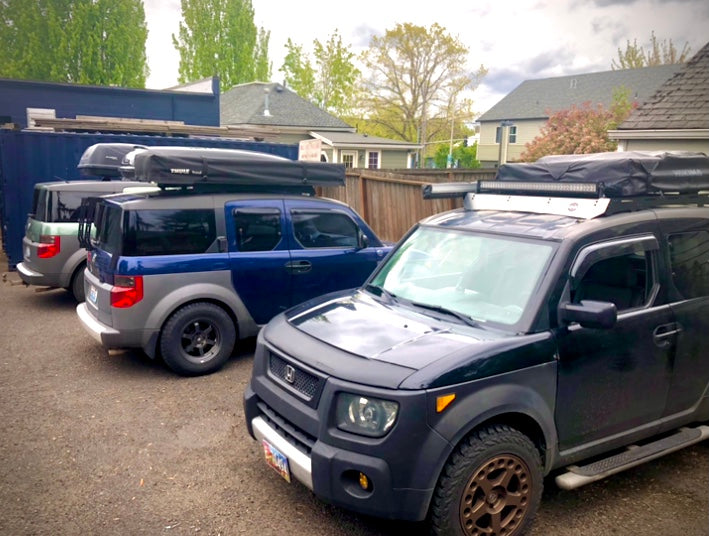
{"type": "Point", "coordinates": [105, 159]}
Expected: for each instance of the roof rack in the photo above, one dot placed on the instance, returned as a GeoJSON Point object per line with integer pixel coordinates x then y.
{"type": "Point", "coordinates": [587, 186]}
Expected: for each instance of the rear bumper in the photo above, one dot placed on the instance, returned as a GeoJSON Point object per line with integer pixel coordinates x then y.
{"type": "Point", "coordinates": [109, 337]}
{"type": "Point", "coordinates": [32, 277]}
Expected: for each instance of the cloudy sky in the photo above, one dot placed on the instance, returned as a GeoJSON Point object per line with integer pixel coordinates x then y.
{"type": "Point", "coordinates": [515, 40]}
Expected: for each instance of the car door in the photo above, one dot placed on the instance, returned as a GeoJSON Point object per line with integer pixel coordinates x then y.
{"type": "Point", "coordinates": [259, 256]}
{"type": "Point", "coordinates": [613, 380]}
{"type": "Point", "coordinates": [328, 252]}
{"type": "Point", "coordinates": [688, 260]}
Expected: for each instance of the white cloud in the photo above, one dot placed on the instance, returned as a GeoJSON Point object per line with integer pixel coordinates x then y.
{"type": "Point", "coordinates": [515, 40]}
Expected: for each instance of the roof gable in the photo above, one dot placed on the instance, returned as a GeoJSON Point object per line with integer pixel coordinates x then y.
{"type": "Point", "coordinates": [682, 102]}
{"type": "Point", "coordinates": [245, 104]}
{"type": "Point", "coordinates": [535, 99]}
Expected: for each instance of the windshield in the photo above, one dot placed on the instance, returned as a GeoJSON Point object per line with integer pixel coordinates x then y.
{"type": "Point", "coordinates": [487, 278]}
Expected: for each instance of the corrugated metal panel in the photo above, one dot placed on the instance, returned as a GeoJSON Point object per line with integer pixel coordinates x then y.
{"type": "Point", "coordinates": [27, 158]}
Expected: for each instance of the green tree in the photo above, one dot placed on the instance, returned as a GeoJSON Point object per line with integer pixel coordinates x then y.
{"type": "Point", "coordinates": [659, 53]}
{"type": "Point", "coordinates": [219, 37]}
{"type": "Point", "coordinates": [415, 78]}
{"type": "Point", "coordinates": [330, 82]}
{"type": "Point", "coordinates": [82, 41]}
{"type": "Point", "coordinates": [580, 129]}
{"type": "Point", "coordinates": [464, 156]}
{"type": "Point", "coordinates": [298, 71]}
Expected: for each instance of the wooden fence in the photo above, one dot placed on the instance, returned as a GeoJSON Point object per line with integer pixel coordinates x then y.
{"type": "Point", "coordinates": [391, 202]}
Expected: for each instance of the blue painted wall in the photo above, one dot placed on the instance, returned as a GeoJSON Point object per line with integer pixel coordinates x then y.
{"type": "Point", "coordinates": [27, 158]}
{"type": "Point", "coordinates": [70, 100]}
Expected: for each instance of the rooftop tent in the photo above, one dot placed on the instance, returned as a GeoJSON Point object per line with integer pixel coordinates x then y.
{"type": "Point", "coordinates": [105, 159]}
{"type": "Point", "coordinates": [194, 166]}
{"type": "Point", "coordinates": [618, 174]}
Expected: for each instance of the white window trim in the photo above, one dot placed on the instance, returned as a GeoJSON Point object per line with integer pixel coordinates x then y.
{"type": "Point", "coordinates": [379, 159]}
{"type": "Point", "coordinates": [354, 154]}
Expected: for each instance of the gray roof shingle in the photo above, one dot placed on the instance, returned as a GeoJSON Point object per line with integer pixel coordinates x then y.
{"type": "Point", "coordinates": [682, 102]}
{"type": "Point", "coordinates": [363, 140]}
{"type": "Point", "coordinates": [535, 99]}
{"type": "Point", "coordinates": [244, 105]}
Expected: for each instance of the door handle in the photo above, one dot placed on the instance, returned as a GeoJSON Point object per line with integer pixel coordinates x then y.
{"type": "Point", "coordinates": [665, 332]}
{"type": "Point", "coordinates": [299, 267]}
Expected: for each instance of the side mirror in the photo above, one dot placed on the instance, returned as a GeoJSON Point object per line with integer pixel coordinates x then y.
{"type": "Point", "coordinates": [589, 314]}
{"type": "Point", "coordinates": [362, 240]}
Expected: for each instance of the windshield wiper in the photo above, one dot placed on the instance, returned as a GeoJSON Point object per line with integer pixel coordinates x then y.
{"type": "Point", "coordinates": [440, 309]}
{"type": "Point", "coordinates": [381, 292]}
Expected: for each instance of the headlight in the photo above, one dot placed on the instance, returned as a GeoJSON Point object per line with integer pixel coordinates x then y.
{"type": "Point", "coordinates": [364, 415]}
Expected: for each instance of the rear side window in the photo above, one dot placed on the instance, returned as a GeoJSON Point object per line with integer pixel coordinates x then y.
{"type": "Point", "coordinates": [39, 203]}
{"type": "Point", "coordinates": [689, 255]}
{"type": "Point", "coordinates": [53, 206]}
{"type": "Point", "coordinates": [108, 227]}
{"type": "Point", "coordinates": [63, 207]}
{"type": "Point", "coordinates": [168, 232]}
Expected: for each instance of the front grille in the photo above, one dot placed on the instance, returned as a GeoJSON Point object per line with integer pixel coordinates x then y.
{"type": "Point", "coordinates": [297, 437]}
{"type": "Point", "coordinates": [294, 377]}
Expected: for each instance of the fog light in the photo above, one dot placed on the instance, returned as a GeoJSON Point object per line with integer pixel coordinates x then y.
{"type": "Point", "coordinates": [364, 482]}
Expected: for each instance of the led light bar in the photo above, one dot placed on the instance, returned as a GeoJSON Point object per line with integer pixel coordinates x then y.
{"type": "Point", "coordinates": [445, 190]}
{"type": "Point", "coordinates": [587, 188]}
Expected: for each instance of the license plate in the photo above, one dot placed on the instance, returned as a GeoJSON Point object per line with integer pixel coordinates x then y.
{"type": "Point", "coordinates": [93, 294]}
{"type": "Point", "coordinates": [276, 460]}
{"type": "Point", "coordinates": [27, 252]}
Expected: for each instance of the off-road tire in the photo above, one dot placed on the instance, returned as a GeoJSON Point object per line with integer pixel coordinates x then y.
{"type": "Point", "coordinates": [76, 287]}
{"type": "Point", "coordinates": [197, 339]}
{"type": "Point", "coordinates": [491, 485]}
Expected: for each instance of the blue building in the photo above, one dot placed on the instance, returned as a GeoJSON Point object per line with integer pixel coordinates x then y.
{"type": "Point", "coordinates": [84, 115]}
{"type": "Point", "coordinates": [194, 104]}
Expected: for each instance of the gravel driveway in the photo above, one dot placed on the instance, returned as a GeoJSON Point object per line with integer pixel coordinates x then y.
{"type": "Point", "coordinates": [93, 443]}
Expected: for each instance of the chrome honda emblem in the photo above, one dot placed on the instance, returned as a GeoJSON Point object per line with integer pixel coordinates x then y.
{"type": "Point", "coordinates": [290, 374]}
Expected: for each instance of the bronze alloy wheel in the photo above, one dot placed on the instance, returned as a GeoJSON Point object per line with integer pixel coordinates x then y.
{"type": "Point", "coordinates": [490, 486]}
{"type": "Point", "coordinates": [496, 497]}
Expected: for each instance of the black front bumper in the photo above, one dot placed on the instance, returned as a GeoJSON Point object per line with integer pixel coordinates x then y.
{"type": "Point", "coordinates": [334, 470]}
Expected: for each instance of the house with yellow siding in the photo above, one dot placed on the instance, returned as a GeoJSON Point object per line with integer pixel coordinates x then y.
{"type": "Point", "coordinates": [518, 118]}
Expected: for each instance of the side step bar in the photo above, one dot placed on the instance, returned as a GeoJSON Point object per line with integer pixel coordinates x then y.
{"type": "Point", "coordinates": [577, 476]}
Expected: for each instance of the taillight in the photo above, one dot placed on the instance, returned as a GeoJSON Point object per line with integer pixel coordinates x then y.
{"type": "Point", "coordinates": [127, 291]}
{"type": "Point", "coordinates": [49, 246]}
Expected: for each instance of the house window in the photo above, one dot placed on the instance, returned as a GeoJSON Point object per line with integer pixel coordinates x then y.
{"type": "Point", "coordinates": [511, 135]}
{"type": "Point", "coordinates": [349, 159]}
{"type": "Point", "coordinates": [373, 159]}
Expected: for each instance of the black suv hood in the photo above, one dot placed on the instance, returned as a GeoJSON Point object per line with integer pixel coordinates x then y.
{"type": "Point", "coordinates": [357, 338]}
{"type": "Point", "coordinates": [361, 325]}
